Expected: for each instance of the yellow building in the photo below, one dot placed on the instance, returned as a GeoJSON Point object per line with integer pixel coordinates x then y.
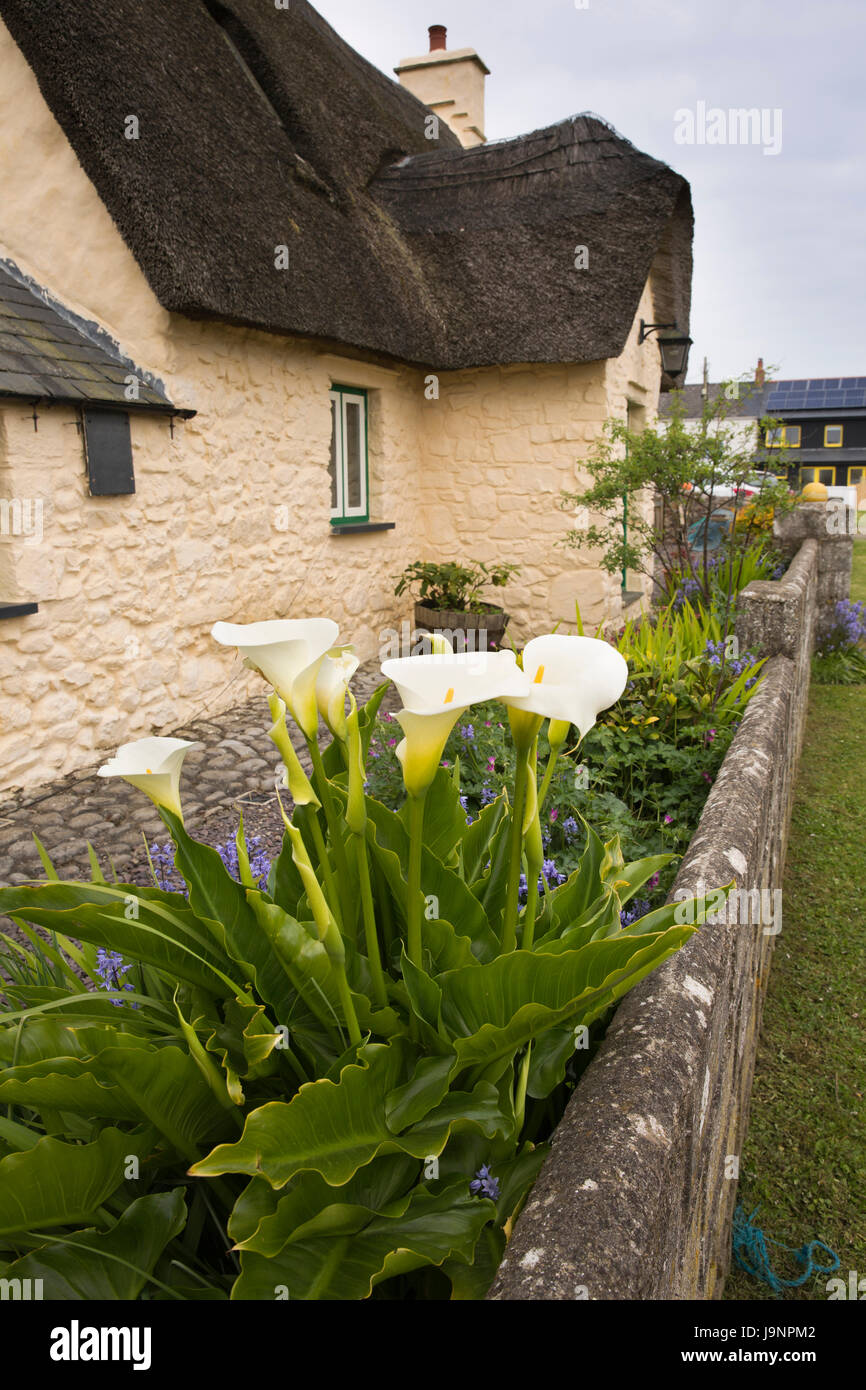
{"type": "Point", "coordinates": [269, 330]}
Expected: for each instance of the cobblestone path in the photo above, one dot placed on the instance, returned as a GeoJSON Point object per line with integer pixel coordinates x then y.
{"type": "Point", "coordinates": [235, 768]}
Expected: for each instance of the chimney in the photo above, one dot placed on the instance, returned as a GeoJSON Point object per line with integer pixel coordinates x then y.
{"type": "Point", "coordinates": [451, 83]}
{"type": "Point", "coordinates": [759, 372]}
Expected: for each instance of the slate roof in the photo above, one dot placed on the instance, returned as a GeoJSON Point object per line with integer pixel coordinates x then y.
{"type": "Point", "coordinates": [45, 355]}
{"type": "Point", "coordinates": [260, 127]}
{"type": "Point", "coordinates": [777, 399]}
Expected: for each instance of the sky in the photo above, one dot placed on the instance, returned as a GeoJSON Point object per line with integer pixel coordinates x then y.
{"type": "Point", "coordinates": [780, 237]}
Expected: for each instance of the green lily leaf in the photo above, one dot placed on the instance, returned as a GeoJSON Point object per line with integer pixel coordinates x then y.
{"type": "Point", "coordinates": [429, 1230]}
{"type": "Point", "coordinates": [143, 924]}
{"type": "Point", "coordinates": [222, 903]}
{"type": "Point", "coordinates": [59, 1184]}
{"type": "Point", "coordinates": [106, 1265]}
{"type": "Point", "coordinates": [485, 1010]}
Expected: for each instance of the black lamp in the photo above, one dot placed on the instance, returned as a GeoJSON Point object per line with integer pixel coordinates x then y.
{"type": "Point", "coordinates": [673, 347]}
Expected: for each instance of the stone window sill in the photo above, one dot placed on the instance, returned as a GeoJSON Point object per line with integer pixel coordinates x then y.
{"type": "Point", "coordinates": [17, 610]}
{"type": "Point", "coordinates": [357, 528]}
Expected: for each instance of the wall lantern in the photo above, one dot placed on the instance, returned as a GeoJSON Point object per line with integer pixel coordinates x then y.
{"type": "Point", "coordinates": [673, 348]}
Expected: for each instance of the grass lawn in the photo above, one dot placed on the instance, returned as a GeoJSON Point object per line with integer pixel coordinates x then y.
{"type": "Point", "coordinates": [805, 1155]}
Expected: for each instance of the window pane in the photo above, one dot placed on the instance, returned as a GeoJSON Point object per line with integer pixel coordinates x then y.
{"type": "Point", "coordinates": [855, 476]}
{"type": "Point", "coordinates": [827, 476]}
{"type": "Point", "coordinates": [833, 434]}
{"type": "Point", "coordinates": [354, 455]}
{"type": "Point", "coordinates": [807, 475]}
{"type": "Point", "coordinates": [332, 465]}
{"type": "Point", "coordinates": [792, 436]}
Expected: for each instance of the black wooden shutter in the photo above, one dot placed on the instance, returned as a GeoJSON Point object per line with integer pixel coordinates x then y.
{"type": "Point", "coordinates": [108, 449]}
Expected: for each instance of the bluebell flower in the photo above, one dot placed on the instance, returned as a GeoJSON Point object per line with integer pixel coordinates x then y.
{"type": "Point", "coordinates": [487, 796]}
{"type": "Point", "coordinates": [638, 908]}
{"type": "Point", "coordinates": [571, 828]}
{"type": "Point", "coordinates": [485, 1183]}
{"type": "Point", "coordinates": [110, 968]}
{"type": "Point", "coordinates": [467, 732]}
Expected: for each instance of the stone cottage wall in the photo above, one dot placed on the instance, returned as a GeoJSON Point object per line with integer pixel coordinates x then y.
{"type": "Point", "coordinates": [498, 447]}
{"type": "Point", "coordinates": [230, 515]}
{"type": "Point", "coordinates": [637, 1197]}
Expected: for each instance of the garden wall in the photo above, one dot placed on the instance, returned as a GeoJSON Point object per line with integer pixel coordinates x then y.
{"type": "Point", "coordinates": [637, 1196]}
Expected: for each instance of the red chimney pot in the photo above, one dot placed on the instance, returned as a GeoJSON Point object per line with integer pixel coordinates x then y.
{"type": "Point", "coordinates": [437, 34]}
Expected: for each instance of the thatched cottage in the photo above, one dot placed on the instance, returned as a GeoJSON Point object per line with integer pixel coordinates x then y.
{"type": "Point", "coordinates": [270, 329]}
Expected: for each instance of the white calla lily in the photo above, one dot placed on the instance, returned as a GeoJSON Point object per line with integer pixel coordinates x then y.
{"type": "Point", "coordinates": [435, 691]}
{"type": "Point", "coordinates": [153, 765]}
{"type": "Point", "coordinates": [288, 653]}
{"type": "Point", "coordinates": [339, 665]}
{"type": "Point", "coordinates": [572, 679]}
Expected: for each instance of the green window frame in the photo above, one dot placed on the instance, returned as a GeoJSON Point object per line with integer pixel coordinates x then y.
{"type": "Point", "coordinates": [348, 465]}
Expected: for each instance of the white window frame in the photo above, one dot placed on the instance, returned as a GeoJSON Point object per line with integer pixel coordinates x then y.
{"type": "Point", "coordinates": [341, 397]}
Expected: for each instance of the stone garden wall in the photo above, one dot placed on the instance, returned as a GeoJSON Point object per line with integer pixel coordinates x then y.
{"type": "Point", "coordinates": [637, 1197]}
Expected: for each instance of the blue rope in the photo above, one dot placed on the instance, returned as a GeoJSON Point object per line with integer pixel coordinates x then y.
{"type": "Point", "coordinates": [750, 1253]}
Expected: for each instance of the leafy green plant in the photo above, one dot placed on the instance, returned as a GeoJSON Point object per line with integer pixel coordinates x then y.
{"type": "Point", "coordinates": [696, 472]}
{"type": "Point", "coordinates": [451, 586]}
{"type": "Point", "coordinates": [343, 1077]}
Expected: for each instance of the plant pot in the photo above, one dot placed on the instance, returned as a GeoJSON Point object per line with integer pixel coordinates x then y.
{"type": "Point", "coordinates": [466, 631]}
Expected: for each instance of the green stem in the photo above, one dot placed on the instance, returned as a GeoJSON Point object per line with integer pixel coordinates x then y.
{"type": "Point", "coordinates": [374, 959]}
{"type": "Point", "coordinates": [515, 854]}
{"type": "Point", "coordinates": [323, 787]}
{"type": "Point", "coordinates": [324, 864]}
{"type": "Point", "coordinates": [346, 1001]}
{"type": "Point", "coordinates": [548, 774]}
{"type": "Point", "coordinates": [520, 1094]}
{"type": "Point", "coordinates": [413, 920]}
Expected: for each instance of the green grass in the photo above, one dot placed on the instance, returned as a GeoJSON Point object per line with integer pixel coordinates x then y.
{"type": "Point", "coordinates": [805, 1155]}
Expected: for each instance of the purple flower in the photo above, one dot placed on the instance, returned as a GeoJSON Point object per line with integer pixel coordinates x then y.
{"type": "Point", "coordinates": [639, 908]}
{"type": "Point", "coordinates": [668, 819]}
{"type": "Point", "coordinates": [485, 1183]}
{"type": "Point", "coordinates": [554, 815]}
{"type": "Point", "coordinates": [467, 732]}
{"type": "Point", "coordinates": [487, 796]}
{"type": "Point", "coordinates": [654, 881]}
{"type": "Point", "coordinates": [571, 828]}
{"type": "Point", "coordinates": [109, 968]}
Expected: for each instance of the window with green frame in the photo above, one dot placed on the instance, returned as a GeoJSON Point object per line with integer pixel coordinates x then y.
{"type": "Point", "coordinates": [348, 466]}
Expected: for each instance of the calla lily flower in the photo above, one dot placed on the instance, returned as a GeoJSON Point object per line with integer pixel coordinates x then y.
{"type": "Point", "coordinates": [435, 691]}
{"type": "Point", "coordinates": [572, 679]}
{"type": "Point", "coordinates": [332, 684]}
{"type": "Point", "coordinates": [288, 653]}
{"type": "Point", "coordinates": [153, 765]}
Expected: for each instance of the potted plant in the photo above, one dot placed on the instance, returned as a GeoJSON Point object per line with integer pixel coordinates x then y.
{"type": "Point", "coordinates": [447, 600]}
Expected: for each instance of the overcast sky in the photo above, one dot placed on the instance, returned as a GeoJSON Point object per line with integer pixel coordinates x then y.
{"type": "Point", "coordinates": [780, 239]}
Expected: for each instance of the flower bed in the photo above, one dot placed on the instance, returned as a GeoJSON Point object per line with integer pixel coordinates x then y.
{"type": "Point", "coordinates": [350, 1067]}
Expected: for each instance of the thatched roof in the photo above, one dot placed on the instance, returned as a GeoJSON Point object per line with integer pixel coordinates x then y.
{"type": "Point", "coordinates": [259, 127]}
{"type": "Point", "coordinates": [48, 354]}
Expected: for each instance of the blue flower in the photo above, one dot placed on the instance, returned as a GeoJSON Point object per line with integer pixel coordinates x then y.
{"type": "Point", "coordinates": [467, 732]}
{"type": "Point", "coordinates": [109, 968]}
{"type": "Point", "coordinates": [571, 828]}
{"type": "Point", "coordinates": [639, 908]}
{"type": "Point", "coordinates": [487, 796]}
{"type": "Point", "coordinates": [485, 1183]}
